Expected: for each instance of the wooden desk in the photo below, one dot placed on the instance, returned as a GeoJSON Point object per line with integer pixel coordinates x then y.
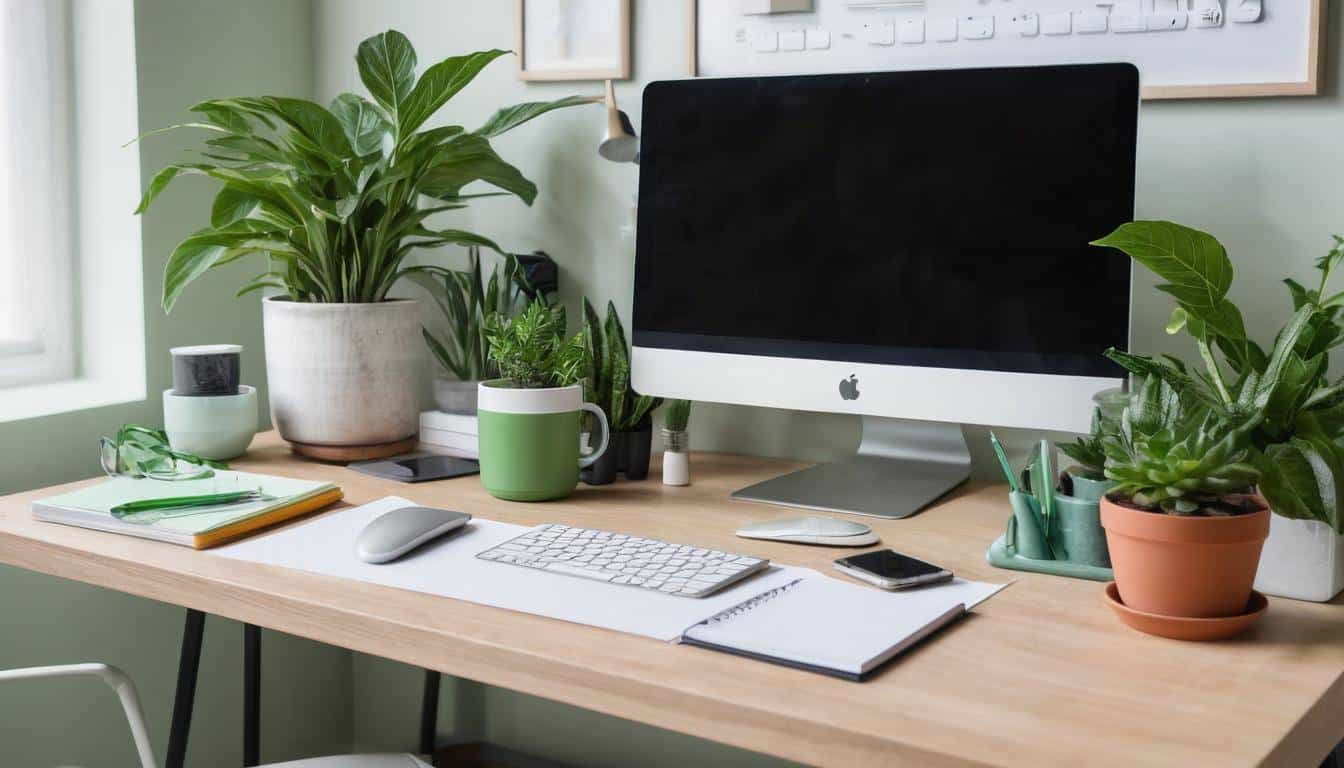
{"type": "Point", "coordinates": [1042, 674]}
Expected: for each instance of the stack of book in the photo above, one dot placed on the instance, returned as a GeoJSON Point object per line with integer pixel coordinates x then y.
{"type": "Point", "coordinates": [453, 434]}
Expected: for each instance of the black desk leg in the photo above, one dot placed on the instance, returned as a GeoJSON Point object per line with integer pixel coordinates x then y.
{"type": "Point", "coordinates": [251, 694]}
{"type": "Point", "coordinates": [429, 712]}
{"type": "Point", "coordinates": [185, 698]}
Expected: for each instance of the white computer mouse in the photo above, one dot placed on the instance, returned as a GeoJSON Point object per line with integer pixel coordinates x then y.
{"type": "Point", "coordinates": [826, 531]}
{"type": "Point", "coordinates": [389, 536]}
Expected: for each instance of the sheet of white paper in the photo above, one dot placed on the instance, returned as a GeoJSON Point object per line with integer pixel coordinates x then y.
{"type": "Point", "coordinates": [449, 568]}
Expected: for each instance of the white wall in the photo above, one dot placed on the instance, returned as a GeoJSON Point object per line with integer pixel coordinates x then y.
{"type": "Point", "coordinates": [1260, 174]}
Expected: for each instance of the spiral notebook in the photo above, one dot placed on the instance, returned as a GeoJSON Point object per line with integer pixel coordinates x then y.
{"type": "Point", "coordinates": [834, 627]}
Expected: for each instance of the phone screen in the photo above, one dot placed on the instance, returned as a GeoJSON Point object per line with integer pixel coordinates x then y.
{"type": "Point", "coordinates": [891, 565]}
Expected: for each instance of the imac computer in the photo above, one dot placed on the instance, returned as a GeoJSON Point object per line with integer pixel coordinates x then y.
{"type": "Point", "coordinates": [910, 247]}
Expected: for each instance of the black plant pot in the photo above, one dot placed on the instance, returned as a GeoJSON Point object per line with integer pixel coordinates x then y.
{"type": "Point", "coordinates": [603, 471]}
{"type": "Point", "coordinates": [633, 451]}
{"type": "Point", "coordinates": [628, 453]}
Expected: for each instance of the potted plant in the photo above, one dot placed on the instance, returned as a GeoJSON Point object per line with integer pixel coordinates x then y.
{"type": "Point", "coordinates": [1077, 535]}
{"type": "Point", "coordinates": [331, 198]}
{"type": "Point", "coordinates": [529, 416]}
{"type": "Point", "coordinates": [677, 443]}
{"type": "Point", "coordinates": [467, 302]}
{"type": "Point", "coordinates": [1215, 449]}
{"type": "Point", "coordinates": [608, 384]}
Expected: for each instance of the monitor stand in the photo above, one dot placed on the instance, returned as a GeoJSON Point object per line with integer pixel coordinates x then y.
{"type": "Point", "coordinates": [901, 467]}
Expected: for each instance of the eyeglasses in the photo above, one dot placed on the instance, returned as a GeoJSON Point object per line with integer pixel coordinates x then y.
{"type": "Point", "coordinates": [144, 452]}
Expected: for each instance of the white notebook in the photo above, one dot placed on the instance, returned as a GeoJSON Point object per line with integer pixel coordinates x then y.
{"type": "Point", "coordinates": [836, 627]}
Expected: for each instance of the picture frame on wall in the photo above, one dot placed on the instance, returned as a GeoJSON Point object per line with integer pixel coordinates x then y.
{"type": "Point", "coordinates": [573, 40]}
{"type": "Point", "coordinates": [1280, 51]}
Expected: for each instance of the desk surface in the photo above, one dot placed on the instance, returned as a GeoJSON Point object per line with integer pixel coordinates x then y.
{"type": "Point", "coordinates": [1042, 674]}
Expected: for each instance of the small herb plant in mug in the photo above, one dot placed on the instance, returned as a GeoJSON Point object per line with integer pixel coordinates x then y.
{"type": "Point", "coordinates": [531, 350]}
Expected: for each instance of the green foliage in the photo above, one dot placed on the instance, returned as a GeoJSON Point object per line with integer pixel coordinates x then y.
{"type": "Point", "coordinates": [141, 451]}
{"type": "Point", "coordinates": [1087, 450]}
{"type": "Point", "coordinates": [1281, 403]}
{"type": "Point", "coordinates": [1178, 455]}
{"type": "Point", "coordinates": [678, 415]}
{"type": "Point", "coordinates": [531, 350]}
{"type": "Point", "coordinates": [467, 302]}
{"type": "Point", "coordinates": [330, 196]}
{"type": "Point", "coordinates": [608, 381]}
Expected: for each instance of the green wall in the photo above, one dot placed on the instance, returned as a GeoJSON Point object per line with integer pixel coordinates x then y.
{"type": "Point", "coordinates": [186, 51]}
{"type": "Point", "coordinates": [1261, 174]}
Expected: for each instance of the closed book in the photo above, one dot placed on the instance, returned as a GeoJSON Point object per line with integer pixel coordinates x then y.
{"type": "Point", "coordinates": [448, 422]}
{"type": "Point", "coordinates": [283, 499]}
{"type": "Point", "coordinates": [459, 443]}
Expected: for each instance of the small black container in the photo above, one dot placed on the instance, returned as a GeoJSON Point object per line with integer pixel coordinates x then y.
{"type": "Point", "coordinates": [634, 449]}
{"type": "Point", "coordinates": [627, 454]}
{"type": "Point", "coordinates": [205, 370]}
{"type": "Point", "coordinates": [603, 471]}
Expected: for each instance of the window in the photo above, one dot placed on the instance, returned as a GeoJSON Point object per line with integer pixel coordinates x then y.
{"type": "Point", "coordinates": [36, 284]}
{"type": "Point", "coordinates": [71, 299]}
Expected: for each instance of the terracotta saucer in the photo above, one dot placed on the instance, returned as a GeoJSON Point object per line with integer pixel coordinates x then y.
{"type": "Point", "coordinates": [1178, 628]}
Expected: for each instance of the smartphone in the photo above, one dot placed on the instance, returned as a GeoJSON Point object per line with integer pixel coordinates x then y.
{"type": "Point", "coordinates": [892, 570]}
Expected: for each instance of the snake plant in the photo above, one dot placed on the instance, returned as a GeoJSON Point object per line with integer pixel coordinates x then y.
{"type": "Point", "coordinates": [330, 196]}
{"type": "Point", "coordinates": [608, 381]}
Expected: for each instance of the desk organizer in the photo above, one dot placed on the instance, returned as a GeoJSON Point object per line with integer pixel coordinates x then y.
{"type": "Point", "coordinates": [1052, 532]}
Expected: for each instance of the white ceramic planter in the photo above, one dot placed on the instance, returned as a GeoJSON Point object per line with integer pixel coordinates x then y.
{"type": "Point", "coordinates": [1302, 560]}
{"type": "Point", "coordinates": [453, 396]}
{"type": "Point", "coordinates": [343, 375]}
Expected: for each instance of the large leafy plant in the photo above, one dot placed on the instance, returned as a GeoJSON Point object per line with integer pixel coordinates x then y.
{"type": "Point", "coordinates": [531, 350]}
{"type": "Point", "coordinates": [1274, 412]}
{"type": "Point", "coordinates": [332, 195]}
{"type": "Point", "coordinates": [608, 382]}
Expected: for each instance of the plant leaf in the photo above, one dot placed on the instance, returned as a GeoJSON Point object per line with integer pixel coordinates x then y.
{"type": "Point", "coordinates": [190, 259]}
{"type": "Point", "coordinates": [470, 158]}
{"type": "Point", "coordinates": [437, 85]}
{"type": "Point", "coordinates": [509, 118]}
{"type": "Point", "coordinates": [363, 124]}
{"type": "Point", "coordinates": [386, 65]}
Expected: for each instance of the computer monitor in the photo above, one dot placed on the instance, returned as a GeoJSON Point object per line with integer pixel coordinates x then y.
{"type": "Point", "coordinates": [911, 247]}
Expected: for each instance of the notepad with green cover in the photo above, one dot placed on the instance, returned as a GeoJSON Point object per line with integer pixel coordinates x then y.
{"type": "Point", "coordinates": [91, 507]}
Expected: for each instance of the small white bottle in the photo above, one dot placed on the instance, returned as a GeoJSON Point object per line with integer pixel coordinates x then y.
{"type": "Point", "coordinates": [676, 457]}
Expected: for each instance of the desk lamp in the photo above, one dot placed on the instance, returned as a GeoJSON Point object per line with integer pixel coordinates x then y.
{"type": "Point", "coordinates": [620, 143]}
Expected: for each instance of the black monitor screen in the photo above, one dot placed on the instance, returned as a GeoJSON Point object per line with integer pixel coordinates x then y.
{"type": "Point", "coordinates": [934, 218]}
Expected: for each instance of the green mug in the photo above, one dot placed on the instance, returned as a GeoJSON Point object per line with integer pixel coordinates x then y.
{"type": "Point", "coordinates": [529, 440]}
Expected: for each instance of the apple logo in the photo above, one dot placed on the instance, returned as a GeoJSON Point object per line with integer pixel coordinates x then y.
{"type": "Point", "coordinates": [849, 388]}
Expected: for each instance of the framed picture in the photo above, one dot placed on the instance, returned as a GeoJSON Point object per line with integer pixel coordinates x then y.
{"type": "Point", "coordinates": [1235, 49]}
{"type": "Point", "coordinates": [573, 39]}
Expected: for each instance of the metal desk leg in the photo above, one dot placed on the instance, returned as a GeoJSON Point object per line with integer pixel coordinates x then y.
{"type": "Point", "coordinates": [251, 695]}
{"type": "Point", "coordinates": [429, 712]}
{"type": "Point", "coordinates": [187, 665]}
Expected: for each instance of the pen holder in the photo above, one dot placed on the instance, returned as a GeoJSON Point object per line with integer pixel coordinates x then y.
{"type": "Point", "coordinates": [1026, 534]}
{"type": "Point", "coordinates": [1077, 535]}
{"type": "Point", "coordinates": [1074, 544]}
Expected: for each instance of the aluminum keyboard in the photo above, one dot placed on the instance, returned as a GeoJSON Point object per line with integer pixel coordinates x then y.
{"type": "Point", "coordinates": [676, 569]}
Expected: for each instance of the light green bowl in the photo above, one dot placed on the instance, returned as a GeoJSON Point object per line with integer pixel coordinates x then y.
{"type": "Point", "coordinates": [218, 427]}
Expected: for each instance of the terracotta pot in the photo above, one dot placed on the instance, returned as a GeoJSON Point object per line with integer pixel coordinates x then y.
{"type": "Point", "coordinates": [1192, 567]}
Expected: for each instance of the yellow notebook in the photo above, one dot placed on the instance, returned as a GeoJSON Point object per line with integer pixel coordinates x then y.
{"type": "Point", "coordinates": [91, 507]}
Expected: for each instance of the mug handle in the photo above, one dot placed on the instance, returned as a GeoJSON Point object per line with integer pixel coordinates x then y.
{"type": "Point", "coordinates": [585, 461]}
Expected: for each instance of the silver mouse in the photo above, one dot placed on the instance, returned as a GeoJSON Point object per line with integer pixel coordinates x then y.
{"type": "Point", "coordinates": [392, 535]}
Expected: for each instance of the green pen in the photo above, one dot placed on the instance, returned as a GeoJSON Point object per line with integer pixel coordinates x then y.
{"type": "Point", "coordinates": [187, 502]}
{"type": "Point", "coordinates": [1003, 461]}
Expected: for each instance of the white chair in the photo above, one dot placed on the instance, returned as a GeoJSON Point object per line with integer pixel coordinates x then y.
{"type": "Point", "coordinates": [130, 703]}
